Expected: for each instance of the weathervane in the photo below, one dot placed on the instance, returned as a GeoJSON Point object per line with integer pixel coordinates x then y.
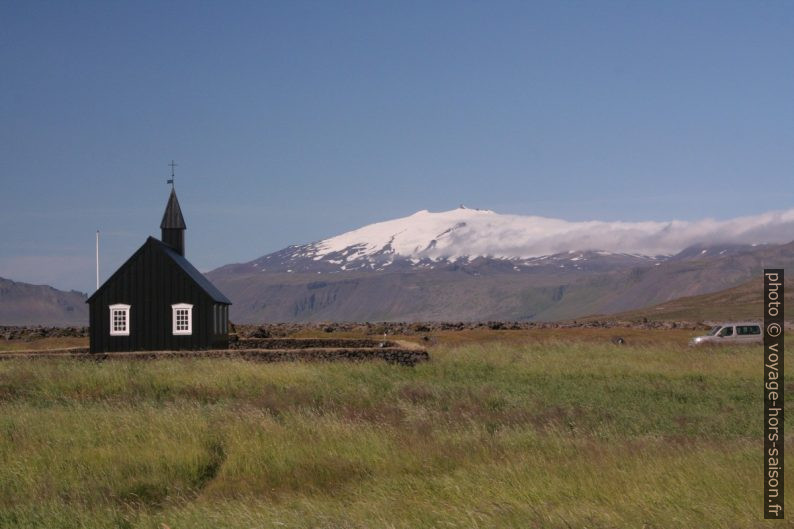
{"type": "Point", "coordinates": [172, 164]}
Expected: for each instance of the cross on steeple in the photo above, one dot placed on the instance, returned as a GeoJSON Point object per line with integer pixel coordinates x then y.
{"type": "Point", "coordinates": [172, 164]}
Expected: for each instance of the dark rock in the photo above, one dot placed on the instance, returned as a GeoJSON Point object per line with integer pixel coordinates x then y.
{"type": "Point", "coordinates": [261, 332]}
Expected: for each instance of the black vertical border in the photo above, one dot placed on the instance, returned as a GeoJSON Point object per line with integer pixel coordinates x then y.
{"type": "Point", "coordinates": [774, 384]}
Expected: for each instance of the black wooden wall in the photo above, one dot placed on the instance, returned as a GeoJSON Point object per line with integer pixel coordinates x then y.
{"type": "Point", "coordinates": [150, 282]}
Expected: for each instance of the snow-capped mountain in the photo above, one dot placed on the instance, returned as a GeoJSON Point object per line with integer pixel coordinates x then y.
{"type": "Point", "coordinates": [469, 264]}
{"type": "Point", "coordinates": [427, 240]}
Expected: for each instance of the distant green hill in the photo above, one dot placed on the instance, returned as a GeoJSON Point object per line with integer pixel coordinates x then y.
{"type": "Point", "coordinates": [743, 302]}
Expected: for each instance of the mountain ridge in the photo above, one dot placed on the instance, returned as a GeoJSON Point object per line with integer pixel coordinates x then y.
{"type": "Point", "coordinates": [429, 239]}
{"type": "Point", "coordinates": [553, 288]}
{"type": "Point", "coordinates": [473, 264]}
{"type": "Point", "coordinates": [28, 304]}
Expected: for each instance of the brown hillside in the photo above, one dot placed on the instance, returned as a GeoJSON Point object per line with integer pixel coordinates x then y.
{"type": "Point", "coordinates": [744, 302]}
{"type": "Point", "coordinates": [26, 304]}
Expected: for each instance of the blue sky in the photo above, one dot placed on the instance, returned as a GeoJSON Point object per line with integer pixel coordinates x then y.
{"type": "Point", "coordinates": [295, 121]}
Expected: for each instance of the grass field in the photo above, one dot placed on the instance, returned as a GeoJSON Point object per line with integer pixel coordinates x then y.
{"type": "Point", "coordinates": [498, 430]}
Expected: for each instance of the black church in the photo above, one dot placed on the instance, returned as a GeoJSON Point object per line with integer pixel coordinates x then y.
{"type": "Point", "coordinates": [157, 300]}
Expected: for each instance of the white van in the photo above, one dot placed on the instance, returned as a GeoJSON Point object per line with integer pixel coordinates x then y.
{"type": "Point", "coordinates": [731, 334]}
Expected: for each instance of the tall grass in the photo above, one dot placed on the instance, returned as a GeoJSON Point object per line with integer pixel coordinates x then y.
{"type": "Point", "coordinates": [555, 434]}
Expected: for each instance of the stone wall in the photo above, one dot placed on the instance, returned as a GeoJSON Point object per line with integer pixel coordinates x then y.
{"type": "Point", "coordinates": [16, 332]}
{"type": "Point", "coordinates": [284, 330]}
{"type": "Point", "coordinates": [392, 355]}
{"type": "Point", "coordinates": [416, 328]}
{"type": "Point", "coordinates": [307, 343]}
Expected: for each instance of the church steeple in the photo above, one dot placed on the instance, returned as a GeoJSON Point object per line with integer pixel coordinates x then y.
{"type": "Point", "coordinates": [173, 225]}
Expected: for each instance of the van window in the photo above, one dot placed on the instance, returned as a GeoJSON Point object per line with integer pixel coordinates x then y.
{"type": "Point", "coordinates": [726, 331]}
{"type": "Point", "coordinates": [745, 330]}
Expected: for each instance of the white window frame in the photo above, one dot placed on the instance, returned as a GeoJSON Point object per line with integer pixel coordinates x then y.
{"type": "Point", "coordinates": [124, 310]}
{"type": "Point", "coordinates": [175, 308]}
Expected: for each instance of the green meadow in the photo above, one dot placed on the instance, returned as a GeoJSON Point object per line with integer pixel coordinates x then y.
{"type": "Point", "coordinates": [522, 433]}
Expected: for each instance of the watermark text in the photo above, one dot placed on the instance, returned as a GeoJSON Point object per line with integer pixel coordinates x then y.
{"type": "Point", "coordinates": [773, 394]}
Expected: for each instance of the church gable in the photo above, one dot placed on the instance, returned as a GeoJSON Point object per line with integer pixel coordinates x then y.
{"type": "Point", "coordinates": [139, 273]}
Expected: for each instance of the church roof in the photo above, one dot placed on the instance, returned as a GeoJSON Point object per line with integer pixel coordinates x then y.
{"type": "Point", "coordinates": [172, 218]}
{"type": "Point", "coordinates": [198, 278]}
